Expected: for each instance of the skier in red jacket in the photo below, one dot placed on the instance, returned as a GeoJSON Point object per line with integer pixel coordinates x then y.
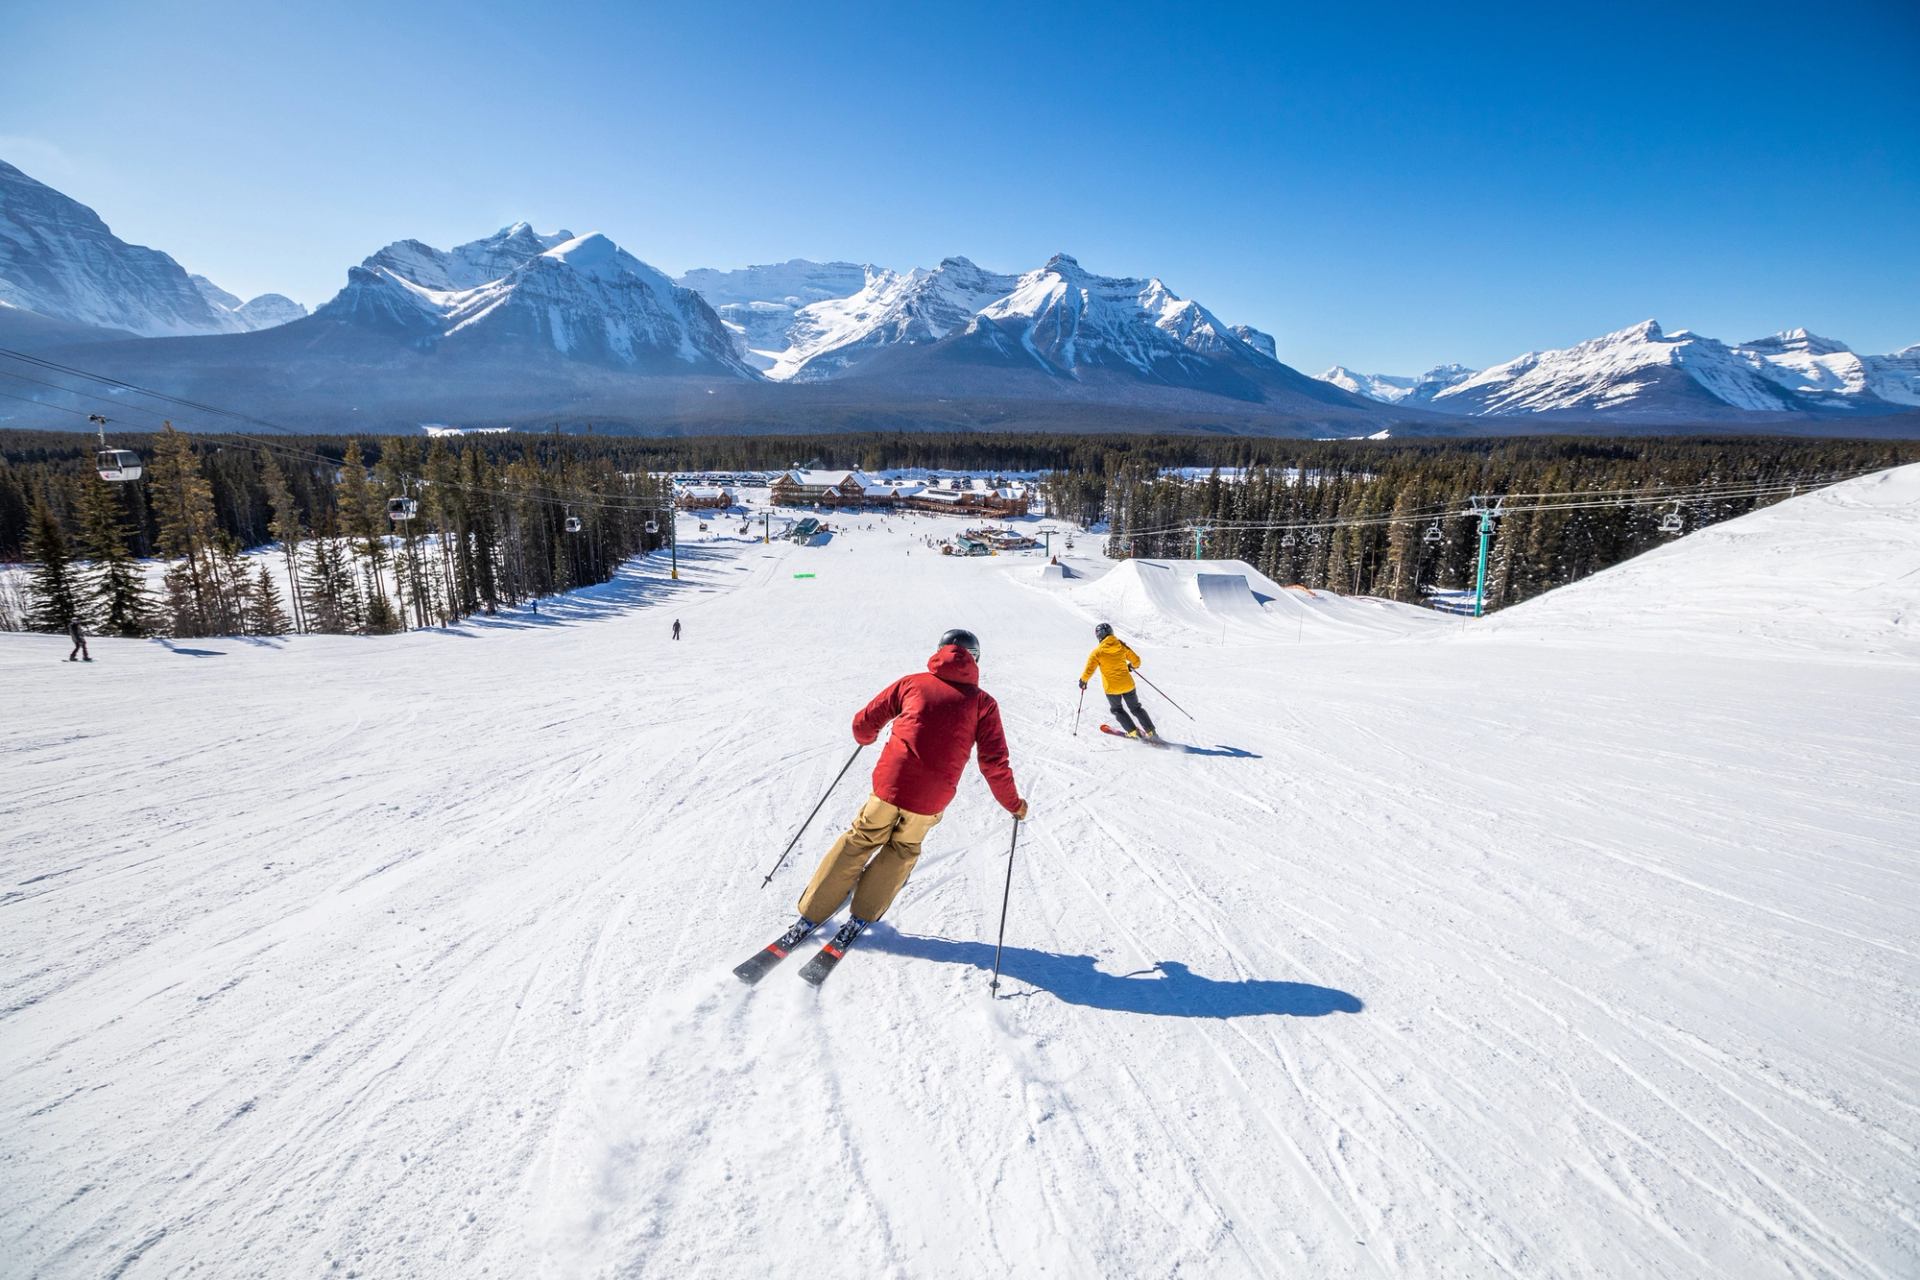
{"type": "Point", "coordinates": [938, 719]}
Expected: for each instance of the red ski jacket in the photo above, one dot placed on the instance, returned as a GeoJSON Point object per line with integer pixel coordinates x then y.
{"type": "Point", "coordinates": [940, 718]}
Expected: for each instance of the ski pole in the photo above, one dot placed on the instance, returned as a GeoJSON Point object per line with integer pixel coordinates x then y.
{"type": "Point", "coordinates": [994, 986]}
{"type": "Point", "coordinates": [1077, 708]}
{"type": "Point", "coordinates": [1163, 693]}
{"type": "Point", "coordinates": [816, 809]}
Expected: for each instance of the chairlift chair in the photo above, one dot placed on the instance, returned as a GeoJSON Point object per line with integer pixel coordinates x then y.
{"type": "Point", "coordinates": [1313, 539]}
{"type": "Point", "coordinates": [573, 524]}
{"type": "Point", "coordinates": [402, 509]}
{"type": "Point", "coordinates": [1287, 540]}
{"type": "Point", "coordinates": [1432, 535]}
{"type": "Point", "coordinates": [1672, 523]}
{"type": "Point", "coordinates": [653, 526]}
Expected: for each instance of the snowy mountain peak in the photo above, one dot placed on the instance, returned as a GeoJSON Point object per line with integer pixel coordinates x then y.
{"type": "Point", "coordinates": [263, 312]}
{"type": "Point", "coordinates": [1261, 342]}
{"type": "Point", "coordinates": [596, 254]}
{"type": "Point", "coordinates": [1797, 340]}
{"type": "Point", "coordinates": [1398, 389]}
{"type": "Point", "coordinates": [581, 297]}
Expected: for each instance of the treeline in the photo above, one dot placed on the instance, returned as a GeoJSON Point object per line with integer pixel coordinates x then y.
{"type": "Point", "coordinates": [419, 534]}
{"type": "Point", "coordinates": [491, 526]}
{"type": "Point", "coordinates": [1394, 522]}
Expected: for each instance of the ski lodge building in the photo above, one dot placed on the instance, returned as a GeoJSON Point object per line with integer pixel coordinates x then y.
{"type": "Point", "coordinates": [960, 496]}
{"type": "Point", "coordinates": [703, 498]}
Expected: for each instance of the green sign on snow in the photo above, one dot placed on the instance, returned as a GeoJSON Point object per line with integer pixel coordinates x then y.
{"type": "Point", "coordinates": [803, 575]}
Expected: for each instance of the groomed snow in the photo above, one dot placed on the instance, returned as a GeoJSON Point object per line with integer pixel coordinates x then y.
{"type": "Point", "coordinates": [1460, 949]}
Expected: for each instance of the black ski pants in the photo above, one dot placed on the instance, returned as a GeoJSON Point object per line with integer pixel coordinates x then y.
{"type": "Point", "coordinates": [1119, 703]}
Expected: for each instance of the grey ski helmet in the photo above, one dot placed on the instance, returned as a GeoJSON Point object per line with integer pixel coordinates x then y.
{"type": "Point", "coordinates": [965, 639]}
{"type": "Point", "coordinates": [1102, 631]}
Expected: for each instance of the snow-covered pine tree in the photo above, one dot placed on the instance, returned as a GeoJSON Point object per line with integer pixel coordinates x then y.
{"type": "Point", "coordinates": [122, 606]}
{"type": "Point", "coordinates": [54, 595]}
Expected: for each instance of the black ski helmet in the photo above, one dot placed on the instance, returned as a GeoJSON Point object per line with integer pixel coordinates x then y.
{"type": "Point", "coordinates": [965, 639]}
{"type": "Point", "coordinates": [1102, 631]}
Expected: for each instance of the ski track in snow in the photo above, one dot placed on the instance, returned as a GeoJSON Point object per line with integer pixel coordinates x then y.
{"type": "Point", "coordinates": [1445, 951]}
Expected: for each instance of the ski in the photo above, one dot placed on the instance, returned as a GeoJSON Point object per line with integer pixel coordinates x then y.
{"type": "Point", "coordinates": [760, 963]}
{"type": "Point", "coordinates": [824, 960]}
{"type": "Point", "coordinates": [1154, 741]}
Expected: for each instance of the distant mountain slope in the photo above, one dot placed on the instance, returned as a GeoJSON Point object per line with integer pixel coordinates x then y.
{"type": "Point", "coordinates": [59, 260]}
{"type": "Point", "coordinates": [758, 304]}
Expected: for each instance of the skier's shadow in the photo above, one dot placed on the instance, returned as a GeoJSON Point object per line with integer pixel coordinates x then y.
{"type": "Point", "coordinates": [1169, 989]}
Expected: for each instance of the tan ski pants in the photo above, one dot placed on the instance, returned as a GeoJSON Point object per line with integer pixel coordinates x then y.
{"type": "Point", "coordinates": [887, 835]}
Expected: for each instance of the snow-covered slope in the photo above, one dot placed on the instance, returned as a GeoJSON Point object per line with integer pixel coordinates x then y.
{"type": "Point", "coordinates": [1391, 388]}
{"type": "Point", "coordinates": [57, 258]}
{"type": "Point", "coordinates": [578, 297]}
{"type": "Point", "coordinates": [1489, 950]}
{"type": "Point", "coordinates": [1836, 571]}
{"type": "Point", "coordinates": [1644, 371]}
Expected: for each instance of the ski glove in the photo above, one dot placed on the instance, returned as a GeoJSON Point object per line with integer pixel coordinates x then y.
{"type": "Point", "coordinates": [1021, 812]}
{"type": "Point", "coordinates": [1083, 686]}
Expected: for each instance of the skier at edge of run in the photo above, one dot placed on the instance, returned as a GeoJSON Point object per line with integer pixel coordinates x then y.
{"type": "Point", "coordinates": [1116, 662]}
{"type": "Point", "coordinates": [676, 628]}
{"type": "Point", "coordinates": [938, 718]}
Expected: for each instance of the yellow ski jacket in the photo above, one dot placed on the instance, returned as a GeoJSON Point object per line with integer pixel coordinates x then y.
{"type": "Point", "coordinates": [1113, 659]}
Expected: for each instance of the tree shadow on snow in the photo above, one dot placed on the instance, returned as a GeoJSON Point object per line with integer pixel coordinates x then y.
{"type": "Point", "coordinates": [643, 580]}
{"type": "Point", "coordinates": [185, 652]}
{"type": "Point", "coordinates": [1169, 989]}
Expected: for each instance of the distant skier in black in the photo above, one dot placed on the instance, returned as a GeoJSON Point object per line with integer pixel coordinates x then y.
{"type": "Point", "coordinates": [79, 653]}
{"type": "Point", "coordinates": [676, 628]}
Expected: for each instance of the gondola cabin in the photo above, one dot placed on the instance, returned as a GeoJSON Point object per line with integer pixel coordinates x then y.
{"type": "Point", "coordinates": [402, 509]}
{"type": "Point", "coordinates": [573, 524]}
{"type": "Point", "coordinates": [117, 466]}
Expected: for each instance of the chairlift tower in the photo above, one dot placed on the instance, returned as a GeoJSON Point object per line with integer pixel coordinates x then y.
{"type": "Point", "coordinates": [1488, 509]}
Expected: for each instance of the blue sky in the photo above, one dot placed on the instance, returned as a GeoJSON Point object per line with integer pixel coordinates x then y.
{"type": "Point", "coordinates": [1384, 186]}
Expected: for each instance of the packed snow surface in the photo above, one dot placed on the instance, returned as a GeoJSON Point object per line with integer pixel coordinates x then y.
{"type": "Point", "coordinates": [1561, 944]}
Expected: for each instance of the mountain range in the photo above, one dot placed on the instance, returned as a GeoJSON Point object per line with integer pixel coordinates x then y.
{"type": "Point", "coordinates": [522, 327]}
{"type": "Point", "coordinates": [1644, 371]}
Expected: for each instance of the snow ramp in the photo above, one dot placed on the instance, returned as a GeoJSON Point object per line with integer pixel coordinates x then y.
{"type": "Point", "coordinates": [1836, 570]}
{"type": "Point", "coordinates": [1231, 600]}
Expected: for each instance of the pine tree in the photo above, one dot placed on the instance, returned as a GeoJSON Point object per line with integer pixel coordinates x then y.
{"type": "Point", "coordinates": [183, 506]}
{"type": "Point", "coordinates": [117, 584]}
{"type": "Point", "coordinates": [53, 587]}
{"type": "Point", "coordinates": [236, 587]}
{"type": "Point", "coordinates": [269, 619]}
{"type": "Point", "coordinates": [364, 518]}
{"type": "Point", "coordinates": [285, 526]}
{"type": "Point", "coordinates": [333, 599]}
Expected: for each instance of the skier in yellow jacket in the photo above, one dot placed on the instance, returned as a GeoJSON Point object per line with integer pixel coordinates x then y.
{"type": "Point", "coordinates": [1116, 663]}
